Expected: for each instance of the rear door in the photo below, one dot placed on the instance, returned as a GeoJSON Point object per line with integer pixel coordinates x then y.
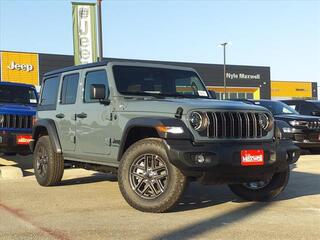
{"type": "Point", "coordinates": [65, 113]}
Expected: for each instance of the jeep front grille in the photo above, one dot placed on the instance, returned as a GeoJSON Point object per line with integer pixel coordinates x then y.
{"type": "Point", "coordinates": [17, 121]}
{"type": "Point", "coordinates": [240, 125]}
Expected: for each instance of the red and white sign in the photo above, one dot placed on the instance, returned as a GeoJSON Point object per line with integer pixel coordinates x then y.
{"type": "Point", "coordinates": [23, 139]}
{"type": "Point", "coordinates": [252, 157]}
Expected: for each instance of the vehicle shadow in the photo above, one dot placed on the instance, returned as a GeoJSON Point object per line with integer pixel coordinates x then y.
{"type": "Point", "coordinates": [22, 162]}
{"type": "Point", "coordinates": [93, 178]}
{"type": "Point", "coordinates": [198, 196]}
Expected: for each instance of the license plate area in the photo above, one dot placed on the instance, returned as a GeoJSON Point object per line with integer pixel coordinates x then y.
{"type": "Point", "coordinates": [252, 157]}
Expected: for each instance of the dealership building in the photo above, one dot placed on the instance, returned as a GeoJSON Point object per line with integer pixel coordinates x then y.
{"type": "Point", "coordinates": [250, 82]}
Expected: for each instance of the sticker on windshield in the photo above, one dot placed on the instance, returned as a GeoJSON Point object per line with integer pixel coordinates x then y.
{"type": "Point", "coordinates": [202, 93]}
{"type": "Point", "coordinates": [33, 100]}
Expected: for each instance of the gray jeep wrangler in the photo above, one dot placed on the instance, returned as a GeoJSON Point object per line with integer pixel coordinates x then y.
{"type": "Point", "coordinates": [158, 128]}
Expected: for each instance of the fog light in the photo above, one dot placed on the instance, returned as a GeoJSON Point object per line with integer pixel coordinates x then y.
{"type": "Point", "coordinates": [200, 158]}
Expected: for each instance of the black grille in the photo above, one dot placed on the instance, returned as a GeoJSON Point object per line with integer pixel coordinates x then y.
{"type": "Point", "coordinates": [16, 121]}
{"type": "Point", "coordinates": [314, 125]}
{"type": "Point", "coordinates": [241, 125]}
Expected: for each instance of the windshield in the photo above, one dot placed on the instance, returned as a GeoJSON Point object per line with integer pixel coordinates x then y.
{"type": "Point", "coordinates": [277, 108]}
{"type": "Point", "coordinates": [317, 103]}
{"type": "Point", "coordinates": [17, 94]}
{"type": "Point", "coordinates": [157, 82]}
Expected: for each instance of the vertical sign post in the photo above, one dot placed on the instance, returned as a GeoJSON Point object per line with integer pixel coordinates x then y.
{"type": "Point", "coordinates": [100, 30]}
{"type": "Point", "coordinates": [84, 33]}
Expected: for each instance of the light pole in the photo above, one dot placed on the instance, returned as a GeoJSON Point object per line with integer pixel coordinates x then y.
{"type": "Point", "coordinates": [224, 69]}
{"type": "Point", "coordinates": [100, 30]}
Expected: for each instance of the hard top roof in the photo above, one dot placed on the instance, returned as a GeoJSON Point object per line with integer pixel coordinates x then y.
{"type": "Point", "coordinates": [105, 63]}
{"type": "Point", "coordinates": [16, 84]}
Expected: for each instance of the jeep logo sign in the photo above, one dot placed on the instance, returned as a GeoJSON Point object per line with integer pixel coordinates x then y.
{"type": "Point", "coordinates": [84, 33]}
{"type": "Point", "coordinates": [20, 67]}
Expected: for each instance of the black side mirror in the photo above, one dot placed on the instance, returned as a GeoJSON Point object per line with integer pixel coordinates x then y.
{"type": "Point", "coordinates": [315, 113]}
{"type": "Point", "coordinates": [213, 94]}
{"type": "Point", "coordinates": [97, 91]}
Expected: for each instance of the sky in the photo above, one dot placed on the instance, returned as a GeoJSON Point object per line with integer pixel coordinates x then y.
{"type": "Point", "coordinates": [284, 35]}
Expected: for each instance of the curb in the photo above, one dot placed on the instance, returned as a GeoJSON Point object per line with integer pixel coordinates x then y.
{"type": "Point", "coordinates": [9, 172]}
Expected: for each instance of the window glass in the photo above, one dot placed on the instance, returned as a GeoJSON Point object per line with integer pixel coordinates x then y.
{"type": "Point", "coordinates": [49, 91]}
{"type": "Point", "coordinates": [95, 77]}
{"type": "Point", "coordinates": [241, 95]}
{"type": "Point", "coordinates": [17, 94]}
{"type": "Point", "coordinates": [249, 95]}
{"type": "Point", "coordinates": [233, 95]}
{"type": "Point", "coordinates": [69, 89]}
{"type": "Point", "coordinates": [277, 107]}
{"type": "Point", "coordinates": [132, 80]}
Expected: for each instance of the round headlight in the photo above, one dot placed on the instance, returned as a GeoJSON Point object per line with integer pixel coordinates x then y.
{"type": "Point", "coordinates": [1, 118]}
{"type": "Point", "coordinates": [199, 121]}
{"type": "Point", "coordinates": [265, 122]}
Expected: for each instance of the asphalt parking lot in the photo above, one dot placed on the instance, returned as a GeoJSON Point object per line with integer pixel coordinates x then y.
{"type": "Point", "coordinates": [88, 205]}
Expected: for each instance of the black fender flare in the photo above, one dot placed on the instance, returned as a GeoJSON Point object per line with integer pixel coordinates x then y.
{"type": "Point", "coordinates": [50, 126]}
{"type": "Point", "coordinates": [153, 122]}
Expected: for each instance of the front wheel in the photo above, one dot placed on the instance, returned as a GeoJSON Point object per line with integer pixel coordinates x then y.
{"type": "Point", "coordinates": [262, 190]}
{"type": "Point", "coordinates": [147, 179]}
{"type": "Point", "coordinates": [48, 165]}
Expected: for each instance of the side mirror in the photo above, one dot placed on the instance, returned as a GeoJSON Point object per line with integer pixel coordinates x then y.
{"type": "Point", "coordinates": [213, 94]}
{"type": "Point", "coordinates": [315, 113]}
{"type": "Point", "coordinates": [98, 92]}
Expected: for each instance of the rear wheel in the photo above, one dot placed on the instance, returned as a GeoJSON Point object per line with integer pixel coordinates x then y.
{"type": "Point", "coordinates": [147, 180]}
{"type": "Point", "coordinates": [48, 165]}
{"type": "Point", "coordinates": [262, 190]}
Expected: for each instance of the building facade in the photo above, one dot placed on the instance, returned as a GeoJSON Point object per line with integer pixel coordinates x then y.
{"type": "Point", "coordinates": [244, 82]}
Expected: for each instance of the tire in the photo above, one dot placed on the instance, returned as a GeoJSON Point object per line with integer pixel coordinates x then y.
{"type": "Point", "coordinates": [270, 190]}
{"type": "Point", "coordinates": [168, 181]}
{"type": "Point", "coordinates": [48, 165]}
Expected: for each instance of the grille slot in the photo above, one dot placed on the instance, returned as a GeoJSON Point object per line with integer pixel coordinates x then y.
{"type": "Point", "coordinates": [17, 121]}
{"type": "Point", "coordinates": [239, 125]}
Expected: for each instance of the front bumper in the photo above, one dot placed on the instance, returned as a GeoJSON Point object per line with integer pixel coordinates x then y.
{"type": "Point", "coordinates": [223, 162]}
{"type": "Point", "coordinates": [307, 140]}
{"type": "Point", "coordinates": [8, 142]}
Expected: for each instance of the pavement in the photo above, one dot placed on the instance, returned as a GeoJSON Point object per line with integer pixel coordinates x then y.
{"type": "Point", "coordinates": [88, 205]}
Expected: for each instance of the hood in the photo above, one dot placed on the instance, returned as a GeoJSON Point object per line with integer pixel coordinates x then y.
{"type": "Point", "coordinates": [289, 117]}
{"type": "Point", "coordinates": [10, 108]}
{"type": "Point", "coordinates": [170, 105]}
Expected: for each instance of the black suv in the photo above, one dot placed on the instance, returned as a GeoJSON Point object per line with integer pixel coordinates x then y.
{"type": "Point", "coordinates": [302, 129]}
{"type": "Point", "coordinates": [305, 107]}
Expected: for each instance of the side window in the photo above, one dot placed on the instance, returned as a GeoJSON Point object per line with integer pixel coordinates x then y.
{"type": "Point", "coordinates": [306, 109]}
{"type": "Point", "coordinates": [95, 77]}
{"type": "Point", "coordinates": [69, 89]}
{"type": "Point", "coordinates": [49, 92]}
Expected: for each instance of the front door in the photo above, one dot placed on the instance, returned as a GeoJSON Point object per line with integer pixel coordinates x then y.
{"type": "Point", "coordinates": [93, 120]}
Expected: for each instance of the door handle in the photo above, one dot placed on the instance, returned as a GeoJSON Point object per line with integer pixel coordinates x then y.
{"type": "Point", "coordinates": [60, 115]}
{"type": "Point", "coordinates": [81, 115]}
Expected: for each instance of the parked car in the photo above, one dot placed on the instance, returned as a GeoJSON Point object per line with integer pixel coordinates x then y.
{"type": "Point", "coordinates": [157, 127]}
{"type": "Point", "coordinates": [18, 104]}
{"type": "Point", "coordinates": [302, 129]}
{"type": "Point", "coordinates": [305, 107]}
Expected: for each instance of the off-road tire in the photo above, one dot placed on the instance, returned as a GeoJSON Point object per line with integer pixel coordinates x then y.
{"type": "Point", "coordinates": [55, 163]}
{"type": "Point", "coordinates": [176, 185]}
{"type": "Point", "coordinates": [276, 185]}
